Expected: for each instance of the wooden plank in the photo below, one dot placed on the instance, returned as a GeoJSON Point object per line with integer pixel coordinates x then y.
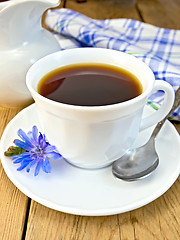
{"type": "Point", "coordinates": [44, 223]}
{"type": "Point", "coordinates": [102, 9]}
{"type": "Point", "coordinates": [157, 220]}
{"type": "Point", "coordinates": [162, 13]}
{"type": "Point", "coordinates": [13, 203]}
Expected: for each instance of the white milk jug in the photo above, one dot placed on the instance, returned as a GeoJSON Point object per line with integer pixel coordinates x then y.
{"type": "Point", "coordinates": [22, 42]}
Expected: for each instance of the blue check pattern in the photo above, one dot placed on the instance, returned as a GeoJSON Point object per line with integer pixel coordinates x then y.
{"type": "Point", "coordinates": [159, 48]}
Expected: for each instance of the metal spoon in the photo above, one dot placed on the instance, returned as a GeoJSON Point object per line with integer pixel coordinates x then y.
{"type": "Point", "coordinates": [140, 162]}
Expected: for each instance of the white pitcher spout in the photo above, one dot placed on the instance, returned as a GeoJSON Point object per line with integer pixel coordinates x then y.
{"type": "Point", "coordinates": [21, 19]}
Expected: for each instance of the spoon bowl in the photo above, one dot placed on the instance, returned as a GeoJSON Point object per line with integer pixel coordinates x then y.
{"type": "Point", "coordinates": [140, 162]}
{"type": "Point", "coordinates": [137, 163]}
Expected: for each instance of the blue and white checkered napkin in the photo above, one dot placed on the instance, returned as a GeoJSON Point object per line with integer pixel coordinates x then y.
{"type": "Point", "coordinates": [159, 48]}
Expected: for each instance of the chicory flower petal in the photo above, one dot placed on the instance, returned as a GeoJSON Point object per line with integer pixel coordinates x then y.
{"type": "Point", "coordinates": [37, 151]}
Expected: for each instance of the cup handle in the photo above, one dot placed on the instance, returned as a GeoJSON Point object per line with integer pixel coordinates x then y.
{"type": "Point", "coordinates": [165, 108]}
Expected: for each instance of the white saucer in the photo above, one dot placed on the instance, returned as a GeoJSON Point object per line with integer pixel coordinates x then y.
{"type": "Point", "coordinates": [91, 192]}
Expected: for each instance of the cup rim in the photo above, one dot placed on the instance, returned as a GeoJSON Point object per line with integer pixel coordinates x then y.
{"type": "Point", "coordinates": [115, 106]}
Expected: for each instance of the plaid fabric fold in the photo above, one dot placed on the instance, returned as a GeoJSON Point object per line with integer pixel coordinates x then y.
{"type": "Point", "coordinates": [159, 48]}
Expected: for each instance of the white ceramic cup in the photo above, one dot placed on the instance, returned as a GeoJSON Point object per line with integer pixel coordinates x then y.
{"type": "Point", "coordinates": [93, 137]}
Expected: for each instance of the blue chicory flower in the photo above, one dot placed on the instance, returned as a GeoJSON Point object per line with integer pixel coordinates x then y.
{"type": "Point", "coordinates": [37, 151]}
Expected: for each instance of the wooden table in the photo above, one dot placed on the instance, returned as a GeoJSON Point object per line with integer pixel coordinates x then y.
{"type": "Point", "coordinates": [23, 218]}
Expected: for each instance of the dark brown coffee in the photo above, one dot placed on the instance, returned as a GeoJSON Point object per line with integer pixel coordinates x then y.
{"type": "Point", "coordinates": [89, 84]}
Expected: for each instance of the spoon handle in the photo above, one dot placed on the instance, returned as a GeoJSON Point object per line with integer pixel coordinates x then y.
{"type": "Point", "coordinates": [176, 104]}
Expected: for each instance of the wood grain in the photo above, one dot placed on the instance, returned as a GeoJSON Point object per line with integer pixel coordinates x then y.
{"type": "Point", "coordinates": [13, 203]}
{"type": "Point", "coordinates": [157, 220]}
{"type": "Point", "coordinates": [102, 9]}
{"type": "Point", "coordinates": [162, 13]}
{"type": "Point", "coordinates": [49, 224]}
